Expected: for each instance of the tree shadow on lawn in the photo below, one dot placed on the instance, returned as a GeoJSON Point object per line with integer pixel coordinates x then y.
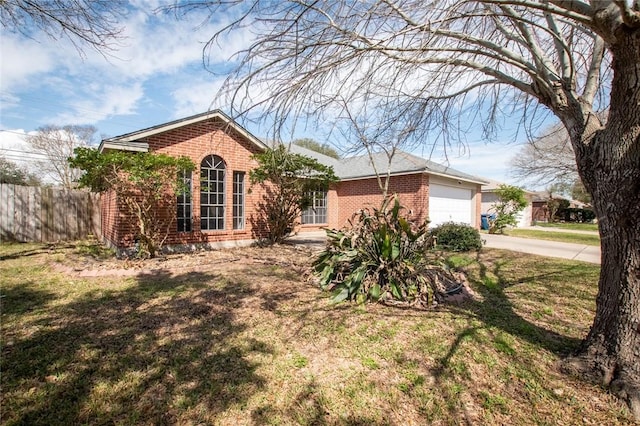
{"type": "Point", "coordinates": [168, 347]}
{"type": "Point", "coordinates": [17, 299]}
{"type": "Point", "coordinates": [16, 250]}
{"type": "Point", "coordinates": [496, 309]}
{"type": "Point", "coordinates": [495, 313]}
{"type": "Point", "coordinates": [309, 407]}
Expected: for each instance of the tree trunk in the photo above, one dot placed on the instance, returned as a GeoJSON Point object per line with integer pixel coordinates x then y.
{"type": "Point", "coordinates": [610, 168]}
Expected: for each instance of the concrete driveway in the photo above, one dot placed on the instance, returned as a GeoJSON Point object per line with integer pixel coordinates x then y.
{"type": "Point", "coordinates": [544, 248]}
{"type": "Point", "coordinates": [557, 249]}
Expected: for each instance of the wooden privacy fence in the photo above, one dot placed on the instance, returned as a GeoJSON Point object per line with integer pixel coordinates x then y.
{"type": "Point", "coordinates": [35, 214]}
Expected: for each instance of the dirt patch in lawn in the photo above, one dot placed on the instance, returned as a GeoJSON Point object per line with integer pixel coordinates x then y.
{"type": "Point", "coordinates": [91, 259]}
{"type": "Point", "coordinates": [84, 262]}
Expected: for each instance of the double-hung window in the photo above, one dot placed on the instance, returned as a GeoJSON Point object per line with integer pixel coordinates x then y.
{"type": "Point", "coordinates": [184, 205]}
{"type": "Point", "coordinates": [238, 200]}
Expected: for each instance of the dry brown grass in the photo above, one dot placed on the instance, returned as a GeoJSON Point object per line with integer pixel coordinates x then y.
{"type": "Point", "coordinates": [244, 337]}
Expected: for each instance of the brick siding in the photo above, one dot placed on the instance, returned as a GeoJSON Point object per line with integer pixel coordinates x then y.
{"type": "Point", "coordinates": [214, 137]}
{"type": "Point", "coordinates": [353, 195]}
{"type": "Point", "coordinates": [197, 141]}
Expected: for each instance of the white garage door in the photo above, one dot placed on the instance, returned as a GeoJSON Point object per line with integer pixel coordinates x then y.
{"type": "Point", "coordinates": [449, 204]}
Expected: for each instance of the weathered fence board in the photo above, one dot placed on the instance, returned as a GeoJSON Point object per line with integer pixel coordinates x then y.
{"type": "Point", "coordinates": [34, 214]}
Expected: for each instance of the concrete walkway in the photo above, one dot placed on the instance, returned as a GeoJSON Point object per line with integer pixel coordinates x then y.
{"type": "Point", "coordinates": [557, 249]}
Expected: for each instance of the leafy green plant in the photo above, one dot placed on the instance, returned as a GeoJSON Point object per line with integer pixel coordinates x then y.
{"type": "Point", "coordinates": [456, 237]}
{"type": "Point", "coordinates": [380, 256]}
{"type": "Point", "coordinates": [288, 179]}
{"type": "Point", "coordinates": [146, 185]}
{"type": "Point", "coordinates": [511, 201]}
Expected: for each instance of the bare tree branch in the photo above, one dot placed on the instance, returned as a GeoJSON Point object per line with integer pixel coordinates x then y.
{"type": "Point", "coordinates": [93, 23]}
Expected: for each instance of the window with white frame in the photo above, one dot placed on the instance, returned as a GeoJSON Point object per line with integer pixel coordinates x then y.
{"type": "Point", "coordinates": [317, 211]}
{"type": "Point", "coordinates": [184, 205]}
{"type": "Point", "coordinates": [212, 193]}
{"type": "Point", "coordinates": [238, 200]}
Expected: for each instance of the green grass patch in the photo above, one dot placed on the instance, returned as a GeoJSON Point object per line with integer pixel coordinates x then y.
{"type": "Point", "coordinates": [565, 237]}
{"type": "Point", "coordinates": [300, 361]}
{"type": "Point", "coordinates": [244, 342]}
{"type": "Point", "coordinates": [570, 225]}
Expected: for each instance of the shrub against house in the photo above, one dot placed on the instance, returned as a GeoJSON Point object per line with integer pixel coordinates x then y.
{"type": "Point", "coordinates": [220, 208]}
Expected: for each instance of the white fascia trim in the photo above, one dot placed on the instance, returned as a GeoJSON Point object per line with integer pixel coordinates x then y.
{"type": "Point", "coordinates": [479, 182]}
{"type": "Point", "coordinates": [119, 146]}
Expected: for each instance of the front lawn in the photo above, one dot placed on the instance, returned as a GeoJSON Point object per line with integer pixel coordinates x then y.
{"type": "Point", "coordinates": [244, 337]}
{"type": "Point", "coordinates": [574, 226]}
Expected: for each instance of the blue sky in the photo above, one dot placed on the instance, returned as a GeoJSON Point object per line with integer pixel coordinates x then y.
{"type": "Point", "coordinates": [155, 76]}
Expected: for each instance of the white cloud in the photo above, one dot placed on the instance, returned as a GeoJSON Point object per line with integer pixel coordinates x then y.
{"type": "Point", "coordinates": [23, 60]}
{"type": "Point", "coordinates": [160, 44]}
{"type": "Point", "coordinates": [103, 102]}
{"type": "Point", "coordinates": [54, 76]}
{"type": "Point", "coordinates": [199, 96]}
{"type": "Point", "coordinates": [482, 160]}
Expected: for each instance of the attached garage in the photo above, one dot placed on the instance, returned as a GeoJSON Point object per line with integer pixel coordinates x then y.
{"type": "Point", "coordinates": [450, 204]}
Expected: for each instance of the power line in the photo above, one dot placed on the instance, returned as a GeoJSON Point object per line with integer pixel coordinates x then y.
{"type": "Point", "coordinates": [23, 151]}
{"type": "Point", "coordinates": [13, 157]}
{"type": "Point", "coordinates": [14, 132]}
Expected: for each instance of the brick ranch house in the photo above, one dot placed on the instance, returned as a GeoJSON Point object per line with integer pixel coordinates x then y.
{"type": "Point", "coordinates": [220, 211]}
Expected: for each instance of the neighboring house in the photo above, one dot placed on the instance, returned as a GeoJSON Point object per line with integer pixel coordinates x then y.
{"type": "Point", "coordinates": [539, 207]}
{"type": "Point", "coordinates": [540, 203]}
{"type": "Point", "coordinates": [220, 211]}
{"type": "Point", "coordinates": [489, 197]}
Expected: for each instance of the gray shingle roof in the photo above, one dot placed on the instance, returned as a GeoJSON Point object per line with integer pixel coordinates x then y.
{"type": "Point", "coordinates": [357, 167]}
{"type": "Point", "coordinates": [402, 163]}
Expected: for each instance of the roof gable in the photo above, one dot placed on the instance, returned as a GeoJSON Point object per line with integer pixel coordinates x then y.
{"type": "Point", "coordinates": [134, 141]}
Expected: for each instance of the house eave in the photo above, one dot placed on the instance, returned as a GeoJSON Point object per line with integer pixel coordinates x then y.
{"type": "Point", "coordinates": [464, 179]}
{"type": "Point", "coordinates": [130, 146]}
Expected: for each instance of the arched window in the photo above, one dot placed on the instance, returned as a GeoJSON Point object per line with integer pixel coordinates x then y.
{"type": "Point", "coordinates": [212, 171]}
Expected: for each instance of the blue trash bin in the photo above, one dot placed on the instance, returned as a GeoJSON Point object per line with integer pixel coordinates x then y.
{"type": "Point", "coordinates": [484, 220]}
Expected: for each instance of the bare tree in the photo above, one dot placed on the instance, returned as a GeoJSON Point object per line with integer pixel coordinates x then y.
{"type": "Point", "coordinates": [56, 144]}
{"type": "Point", "coordinates": [369, 130]}
{"type": "Point", "coordinates": [546, 160]}
{"type": "Point", "coordinates": [93, 23]}
{"type": "Point", "coordinates": [450, 63]}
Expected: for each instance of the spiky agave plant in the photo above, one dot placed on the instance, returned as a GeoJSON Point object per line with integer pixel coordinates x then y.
{"type": "Point", "coordinates": [380, 255]}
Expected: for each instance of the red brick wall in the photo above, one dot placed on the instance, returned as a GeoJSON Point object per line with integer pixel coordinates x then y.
{"type": "Point", "coordinates": [109, 217]}
{"type": "Point", "coordinates": [213, 137]}
{"type": "Point", "coordinates": [197, 141]}
{"type": "Point", "coordinates": [412, 190]}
